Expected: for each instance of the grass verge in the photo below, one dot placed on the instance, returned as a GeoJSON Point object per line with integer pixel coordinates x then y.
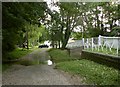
{"type": "Point", "coordinates": [16, 54]}
{"type": "Point", "coordinates": [104, 51]}
{"type": "Point", "coordinates": [89, 71]}
{"type": "Point", "coordinates": [58, 55]}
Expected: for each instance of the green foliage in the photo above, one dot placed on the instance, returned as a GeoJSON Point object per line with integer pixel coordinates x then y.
{"type": "Point", "coordinates": [115, 31]}
{"type": "Point", "coordinates": [58, 55]}
{"type": "Point", "coordinates": [18, 18]}
{"type": "Point", "coordinates": [34, 34]}
{"type": "Point", "coordinates": [20, 25]}
{"type": "Point", "coordinates": [77, 35]}
{"type": "Point", "coordinates": [8, 44]}
{"type": "Point", "coordinates": [91, 72]}
{"type": "Point", "coordinates": [96, 32]}
{"type": "Point", "coordinates": [44, 34]}
{"type": "Point", "coordinates": [18, 53]}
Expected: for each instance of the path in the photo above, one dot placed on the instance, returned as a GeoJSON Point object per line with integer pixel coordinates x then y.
{"type": "Point", "coordinates": [37, 74]}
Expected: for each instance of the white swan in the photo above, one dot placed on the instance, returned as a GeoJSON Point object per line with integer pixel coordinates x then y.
{"type": "Point", "coordinates": [49, 62]}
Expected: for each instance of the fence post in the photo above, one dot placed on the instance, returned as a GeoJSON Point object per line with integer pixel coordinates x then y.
{"type": "Point", "coordinates": [102, 45]}
{"type": "Point", "coordinates": [99, 42]}
{"type": "Point", "coordinates": [118, 47]}
{"type": "Point", "coordinates": [83, 42]}
{"type": "Point", "coordinates": [92, 44]}
{"type": "Point", "coordinates": [87, 43]}
{"type": "Point", "coordinates": [117, 50]}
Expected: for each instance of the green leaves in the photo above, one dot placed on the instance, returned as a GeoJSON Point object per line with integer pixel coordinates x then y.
{"type": "Point", "coordinates": [17, 19]}
{"type": "Point", "coordinates": [115, 31]}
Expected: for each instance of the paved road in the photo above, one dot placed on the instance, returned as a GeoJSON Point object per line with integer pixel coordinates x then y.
{"type": "Point", "coordinates": [41, 74]}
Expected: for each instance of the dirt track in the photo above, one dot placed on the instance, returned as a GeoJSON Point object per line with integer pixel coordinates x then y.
{"type": "Point", "coordinates": [37, 74]}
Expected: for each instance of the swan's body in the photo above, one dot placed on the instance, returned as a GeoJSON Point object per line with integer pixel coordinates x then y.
{"type": "Point", "coordinates": [49, 62]}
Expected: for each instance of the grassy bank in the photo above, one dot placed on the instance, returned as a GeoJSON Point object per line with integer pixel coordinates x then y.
{"type": "Point", "coordinates": [58, 55]}
{"type": "Point", "coordinates": [16, 54]}
{"type": "Point", "coordinates": [91, 72]}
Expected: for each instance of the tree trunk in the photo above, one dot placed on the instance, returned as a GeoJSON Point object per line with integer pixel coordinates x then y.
{"type": "Point", "coordinates": [59, 44]}
{"type": "Point", "coordinates": [56, 44]}
{"type": "Point", "coordinates": [52, 40]}
{"type": "Point", "coordinates": [52, 44]}
{"type": "Point", "coordinates": [27, 41]}
{"type": "Point", "coordinates": [102, 26]}
{"type": "Point", "coordinates": [67, 35]}
{"type": "Point", "coordinates": [98, 22]}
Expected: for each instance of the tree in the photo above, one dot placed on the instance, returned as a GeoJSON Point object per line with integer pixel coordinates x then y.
{"type": "Point", "coordinates": [17, 22]}
{"type": "Point", "coordinates": [66, 20]}
{"type": "Point", "coordinates": [91, 17]}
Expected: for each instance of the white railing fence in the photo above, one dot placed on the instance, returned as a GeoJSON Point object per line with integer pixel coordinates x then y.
{"type": "Point", "coordinates": [102, 43]}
